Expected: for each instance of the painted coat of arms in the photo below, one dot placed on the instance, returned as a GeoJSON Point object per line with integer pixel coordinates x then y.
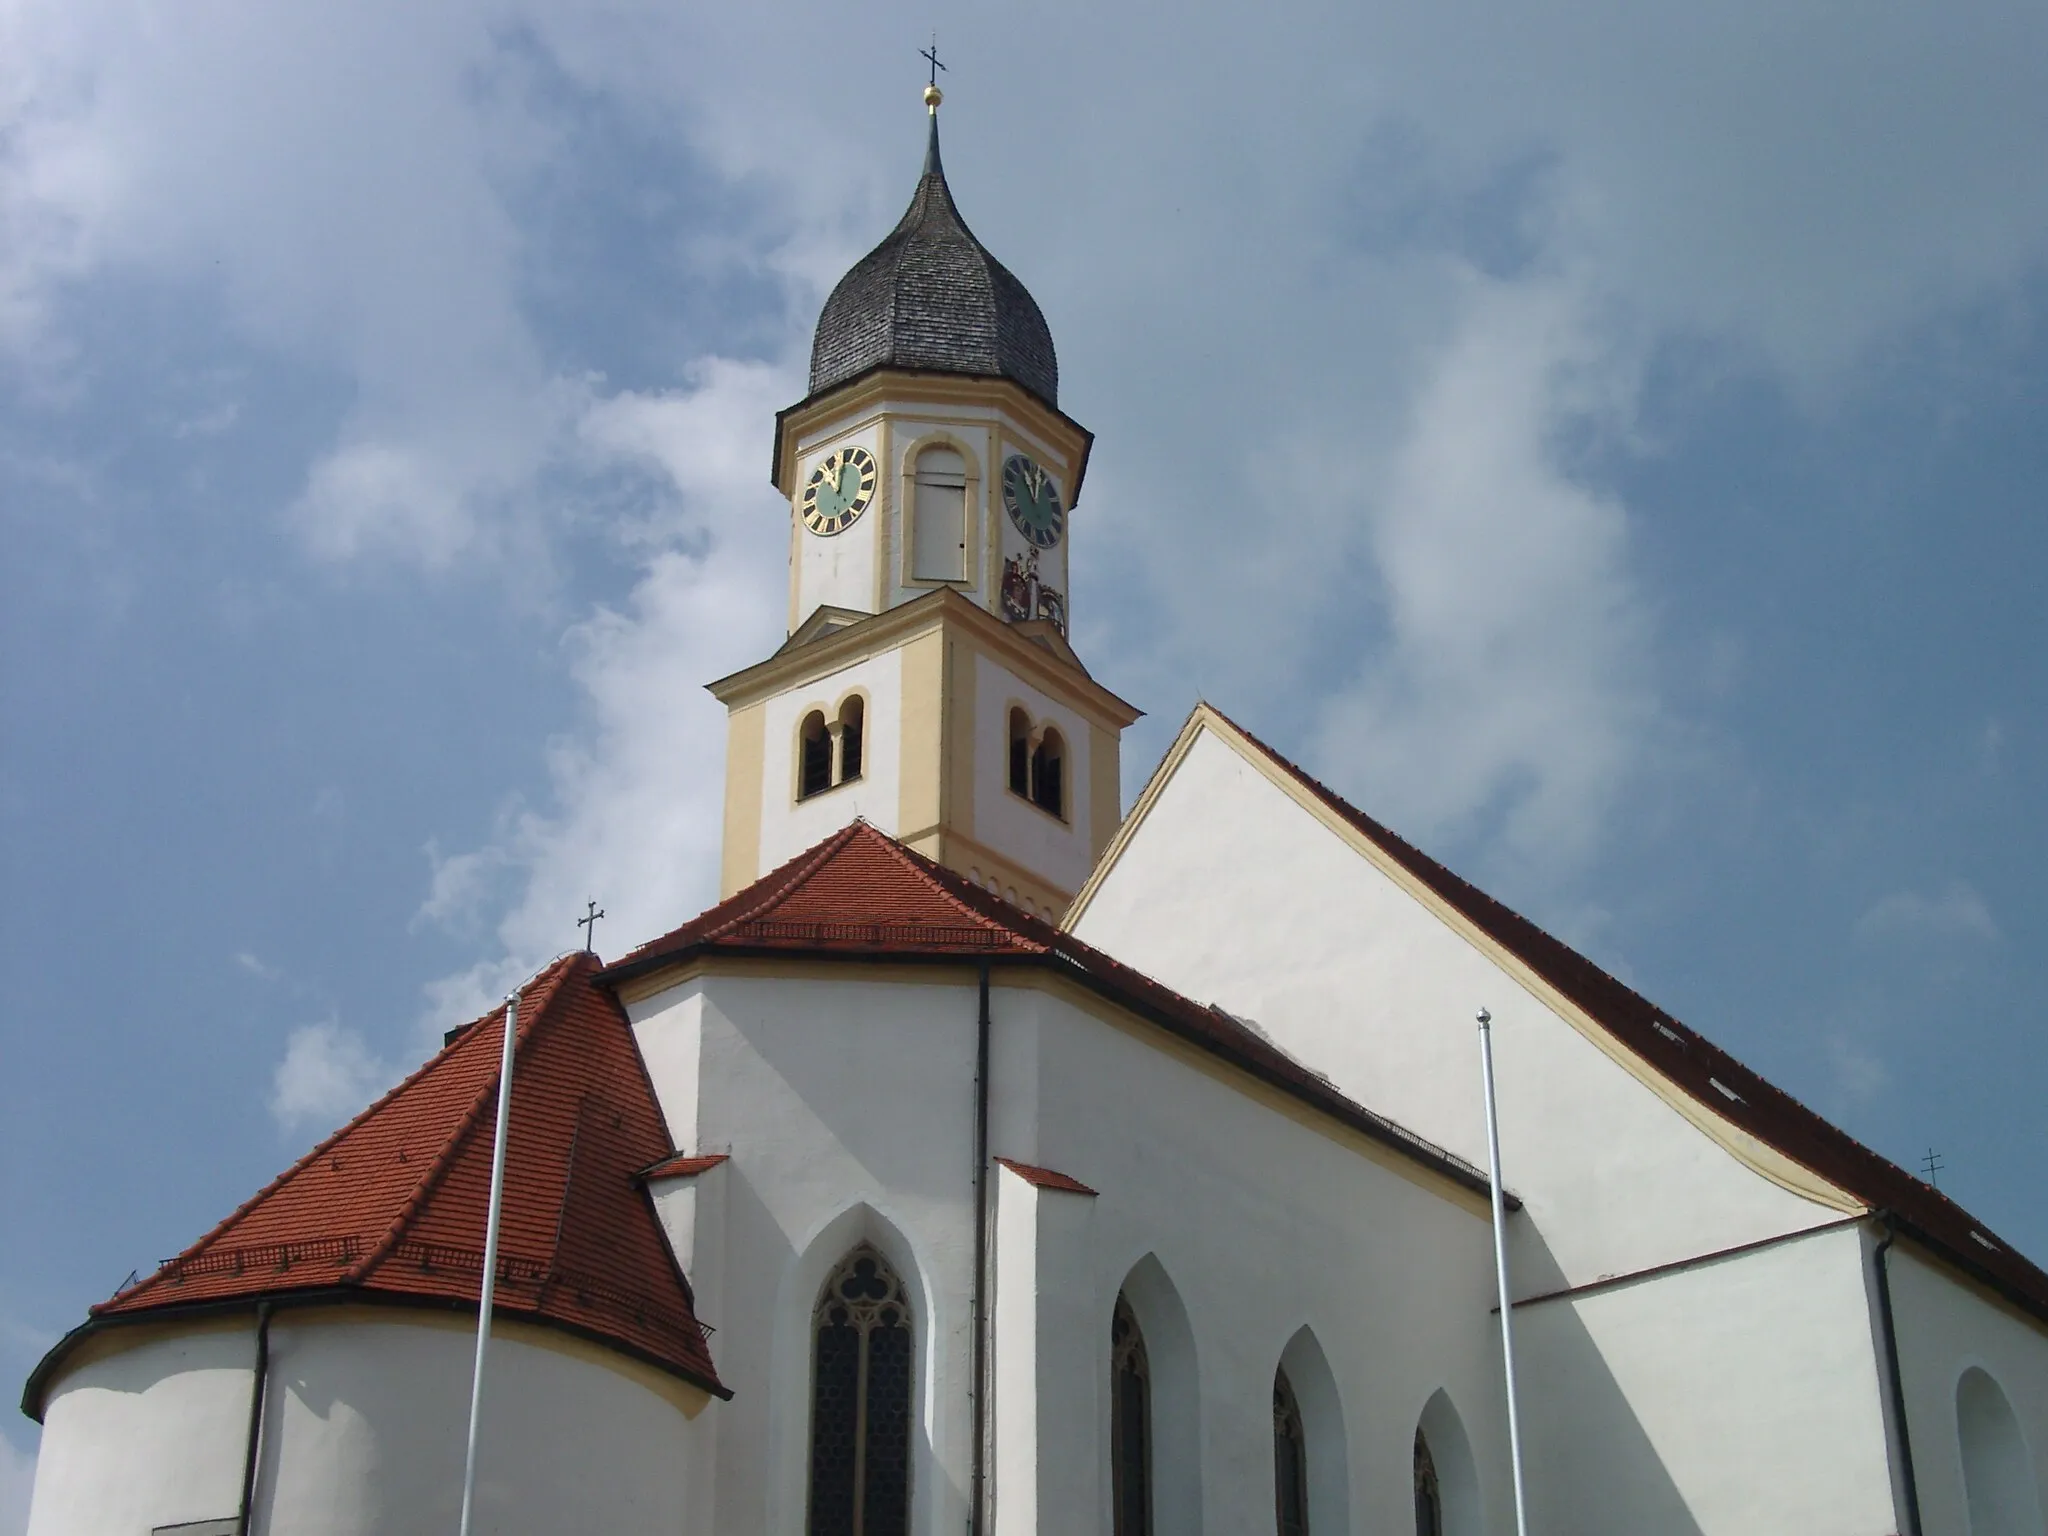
{"type": "Point", "coordinates": [1026, 597]}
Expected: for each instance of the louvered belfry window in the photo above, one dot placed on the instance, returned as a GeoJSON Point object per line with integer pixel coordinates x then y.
{"type": "Point", "coordinates": [860, 1402]}
{"type": "Point", "coordinates": [1130, 1424]}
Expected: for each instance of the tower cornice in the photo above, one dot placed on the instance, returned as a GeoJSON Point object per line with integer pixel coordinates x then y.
{"type": "Point", "coordinates": [870, 391]}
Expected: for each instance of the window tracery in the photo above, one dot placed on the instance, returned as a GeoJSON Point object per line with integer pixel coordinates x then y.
{"type": "Point", "coordinates": [1130, 1429]}
{"type": "Point", "coordinates": [860, 1401]}
{"type": "Point", "coordinates": [1429, 1501]}
{"type": "Point", "coordinates": [1290, 1461]}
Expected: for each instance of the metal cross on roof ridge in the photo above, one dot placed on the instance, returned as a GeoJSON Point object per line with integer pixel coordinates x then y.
{"type": "Point", "coordinates": [931, 54]}
{"type": "Point", "coordinates": [588, 922]}
{"type": "Point", "coordinates": [1932, 1165]}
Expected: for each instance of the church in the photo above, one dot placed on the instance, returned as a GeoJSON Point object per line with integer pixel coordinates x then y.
{"type": "Point", "coordinates": [992, 1159]}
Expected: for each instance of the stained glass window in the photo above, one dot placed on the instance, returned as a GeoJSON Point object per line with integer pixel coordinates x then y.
{"type": "Point", "coordinates": [1130, 1428]}
{"type": "Point", "coordinates": [1429, 1502]}
{"type": "Point", "coordinates": [860, 1402]}
{"type": "Point", "coordinates": [1290, 1461]}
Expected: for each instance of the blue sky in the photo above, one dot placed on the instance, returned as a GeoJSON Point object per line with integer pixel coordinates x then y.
{"type": "Point", "coordinates": [1605, 442]}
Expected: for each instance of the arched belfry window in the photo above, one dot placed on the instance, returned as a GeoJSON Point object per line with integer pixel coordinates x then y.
{"type": "Point", "coordinates": [1130, 1424]}
{"type": "Point", "coordinates": [1048, 773]}
{"type": "Point", "coordinates": [1429, 1499]}
{"type": "Point", "coordinates": [938, 535]}
{"type": "Point", "coordinates": [852, 716]}
{"type": "Point", "coordinates": [814, 745]}
{"type": "Point", "coordinates": [1290, 1461]}
{"type": "Point", "coordinates": [860, 1402]}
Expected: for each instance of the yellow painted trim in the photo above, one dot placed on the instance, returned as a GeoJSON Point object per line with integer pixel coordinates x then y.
{"type": "Point", "coordinates": [745, 746]}
{"type": "Point", "coordinates": [887, 534]}
{"type": "Point", "coordinates": [1105, 788]}
{"type": "Point", "coordinates": [1032, 662]}
{"type": "Point", "coordinates": [958, 766]}
{"type": "Point", "coordinates": [1757, 1155]}
{"type": "Point", "coordinates": [921, 742]}
{"type": "Point", "coordinates": [844, 410]}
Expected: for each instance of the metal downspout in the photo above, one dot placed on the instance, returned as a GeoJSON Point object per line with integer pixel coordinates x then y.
{"type": "Point", "coordinates": [258, 1390]}
{"type": "Point", "coordinates": [978, 1514]}
{"type": "Point", "coordinates": [1880, 1264]}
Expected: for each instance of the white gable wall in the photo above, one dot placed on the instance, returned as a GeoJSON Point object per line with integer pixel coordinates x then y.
{"type": "Point", "coordinates": [1232, 893]}
{"type": "Point", "coordinates": [1653, 1405]}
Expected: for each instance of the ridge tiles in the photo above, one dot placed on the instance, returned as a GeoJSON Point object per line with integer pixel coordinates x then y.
{"type": "Point", "coordinates": [1702, 1069]}
{"type": "Point", "coordinates": [393, 1205]}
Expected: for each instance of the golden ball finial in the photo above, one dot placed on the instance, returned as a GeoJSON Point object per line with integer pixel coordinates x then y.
{"type": "Point", "coordinates": [933, 96]}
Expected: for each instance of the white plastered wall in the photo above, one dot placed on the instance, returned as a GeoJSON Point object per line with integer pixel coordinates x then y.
{"type": "Point", "coordinates": [789, 825]}
{"type": "Point", "coordinates": [1946, 1325]}
{"type": "Point", "coordinates": [1233, 893]}
{"type": "Point", "coordinates": [364, 1430]}
{"type": "Point", "coordinates": [1060, 851]}
{"type": "Point", "coordinates": [847, 1100]}
{"type": "Point", "coordinates": [1738, 1398]}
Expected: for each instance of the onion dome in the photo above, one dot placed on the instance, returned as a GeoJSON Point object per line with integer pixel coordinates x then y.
{"type": "Point", "coordinates": [931, 297]}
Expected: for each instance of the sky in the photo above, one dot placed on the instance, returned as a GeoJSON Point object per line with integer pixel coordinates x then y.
{"type": "Point", "coordinates": [1604, 442]}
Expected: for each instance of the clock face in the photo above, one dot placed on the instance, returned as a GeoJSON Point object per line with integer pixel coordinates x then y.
{"type": "Point", "coordinates": [1033, 499]}
{"type": "Point", "coordinates": [839, 490]}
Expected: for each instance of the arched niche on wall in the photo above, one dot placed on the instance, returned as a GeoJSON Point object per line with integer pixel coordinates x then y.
{"type": "Point", "coordinates": [1998, 1473]}
{"type": "Point", "coordinates": [1441, 1443]}
{"type": "Point", "coordinates": [787, 1420]}
{"type": "Point", "coordinates": [1325, 1443]}
{"type": "Point", "coordinates": [1175, 1398]}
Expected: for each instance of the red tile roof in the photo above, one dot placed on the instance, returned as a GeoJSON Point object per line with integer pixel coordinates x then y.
{"type": "Point", "coordinates": [860, 894]}
{"type": "Point", "coordinates": [1045, 1178]}
{"type": "Point", "coordinates": [683, 1166]}
{"type": "Point", "coordinates": [1705, 1071]}
{"type": "Point", "coordinates": [392, 1206]}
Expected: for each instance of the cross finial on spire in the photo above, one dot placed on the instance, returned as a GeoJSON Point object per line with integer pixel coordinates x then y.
{"type": "Point", "coordinates": [932, 94]}
{"type": "Point", "coordinates": [588, 922]}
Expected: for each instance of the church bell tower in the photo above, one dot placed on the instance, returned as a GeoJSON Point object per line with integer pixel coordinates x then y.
{"type": "Point", "coordinates": [927, 683]}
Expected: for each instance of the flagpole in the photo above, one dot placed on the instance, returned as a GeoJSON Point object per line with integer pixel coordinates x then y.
{"type": "Point", "coordinates": [1500, 1266]}
{"type": "Point", "coordinates": [490, 1287]}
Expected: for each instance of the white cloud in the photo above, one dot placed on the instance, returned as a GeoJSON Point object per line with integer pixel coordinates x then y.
{"type": "Point", "coordinates": [17, 1480]}
{"type": "Point", "coordinates": [1956, 913]}
{"type": "Point", "coordinates": [255, 967]}
{"type": "Point", "coordinates": [636, 814]}
{"type": "Point", "coordinates": [1305, 414]}
{"type": "Point", "coordinates": [327, 1075]}
{"type": "Point", "coordinates": [1512, 680]}
{"type": "Point", "coordinates": [1860, 1073]}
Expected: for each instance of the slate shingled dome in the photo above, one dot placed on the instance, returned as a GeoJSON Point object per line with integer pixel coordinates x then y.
{"type": "Point", "coordinates": [931, 296]}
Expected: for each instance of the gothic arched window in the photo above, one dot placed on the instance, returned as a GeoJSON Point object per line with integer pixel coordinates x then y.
{"type": "Point", "coordinates": [860, 1402]}
{"type": "Point", "coordinates": [1429, 1500]}
{"type": "Point", "coordinates": [1290, 1461]}
{"type": "Point", "coordinates": [852, 715]}
{"type": "Point", "coordinates": [1130, 1424]}
{"type": "Point", "coordinates": [938, 536]}
{"type": "Point", "coordinates": [814, 765]}
{"type": "Point", "coordinates": [1048, 772]}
